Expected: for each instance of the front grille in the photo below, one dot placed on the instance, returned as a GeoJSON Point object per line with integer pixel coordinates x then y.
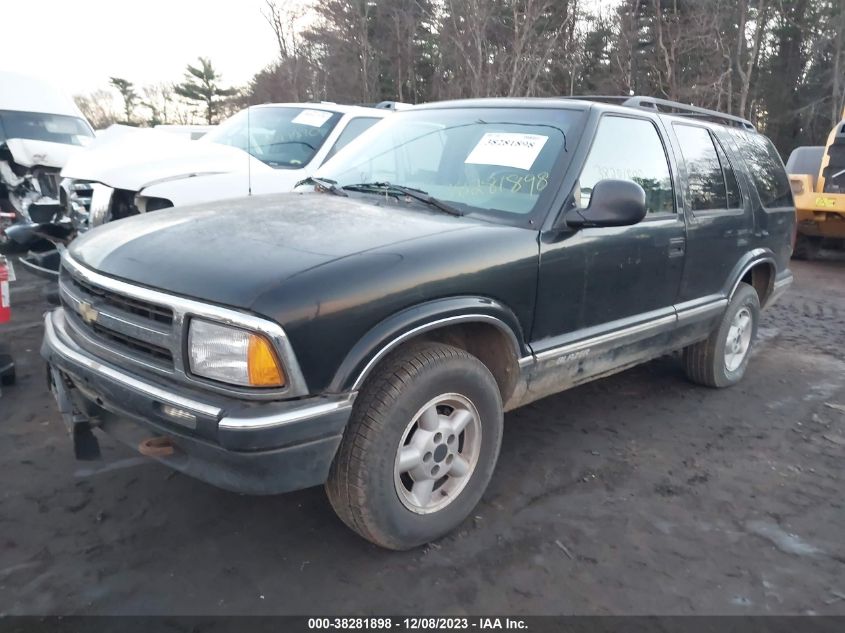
{"type": "Point", "coordinates": [121, 302]}
{"type": "Point", "coordinates": [135, 328]}
{"type": "Point", "coordinates": [75, 198]}
{"type": "Point", "coordinates": [147, 349]}
{"type": "Point", "coordinates": [110, 323]}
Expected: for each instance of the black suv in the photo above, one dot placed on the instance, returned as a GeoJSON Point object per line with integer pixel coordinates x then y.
{"type": "Point", "coordinates": [458, 260]}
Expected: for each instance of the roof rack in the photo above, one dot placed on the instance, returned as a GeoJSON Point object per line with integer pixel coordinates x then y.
{"type": "Point", "coordinates": [672, 107]}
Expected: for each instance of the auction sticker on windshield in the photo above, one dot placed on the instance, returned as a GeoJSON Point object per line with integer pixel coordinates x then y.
{"type": "Point", "coordinates": [314, 118]}
{"type": "Point", "coordinates": [507, 149]}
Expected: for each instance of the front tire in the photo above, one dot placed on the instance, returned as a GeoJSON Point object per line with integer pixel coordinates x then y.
{"type": "Point", "coordinates": [420, 447]}
{"type": "Point", "coordinates": [721, 359]}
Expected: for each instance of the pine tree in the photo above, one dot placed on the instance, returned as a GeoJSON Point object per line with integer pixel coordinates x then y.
{"type": "Point", "coordinates": [202, 85]}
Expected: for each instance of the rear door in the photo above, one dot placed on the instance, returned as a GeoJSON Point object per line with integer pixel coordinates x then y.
{"type": "Point", "coordinates": [719, 217]}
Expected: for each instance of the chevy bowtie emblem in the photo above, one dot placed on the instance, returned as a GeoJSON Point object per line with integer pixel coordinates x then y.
{"type": "Point", "coordinates": [88, 313]}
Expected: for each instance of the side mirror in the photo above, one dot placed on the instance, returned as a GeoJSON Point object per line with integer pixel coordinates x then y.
{"type": "Point", "coordinates": [612, 203]}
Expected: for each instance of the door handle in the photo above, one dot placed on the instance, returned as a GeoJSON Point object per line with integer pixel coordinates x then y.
{"type": "Point", "coordinates": [677, 247]}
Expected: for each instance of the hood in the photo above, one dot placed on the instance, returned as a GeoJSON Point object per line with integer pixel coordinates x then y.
{"type": "Point", "coordinates": [127, 158]}
{"type": "Point", "coordinates": [232, 252]}
{"type": "Point", "coordinates": [29, 153]}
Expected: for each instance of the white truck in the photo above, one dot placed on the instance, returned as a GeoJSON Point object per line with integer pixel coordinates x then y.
{"type": "Point", "coordinates": [262, 149]}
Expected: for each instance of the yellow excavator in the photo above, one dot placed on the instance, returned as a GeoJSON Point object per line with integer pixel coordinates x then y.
{"type": "Point", "coordinates": [817, 178]}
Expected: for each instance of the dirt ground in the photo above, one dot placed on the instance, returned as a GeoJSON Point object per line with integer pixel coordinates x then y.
{"type": "Point", "coordinates": [636, 494]}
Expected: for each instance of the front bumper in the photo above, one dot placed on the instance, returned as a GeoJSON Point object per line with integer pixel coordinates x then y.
{"type": "Point", "coordinates": [254, 448]}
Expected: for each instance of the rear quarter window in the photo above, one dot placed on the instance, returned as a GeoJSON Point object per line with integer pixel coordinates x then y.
{"type": "Point", "coordinates": [766, 169]}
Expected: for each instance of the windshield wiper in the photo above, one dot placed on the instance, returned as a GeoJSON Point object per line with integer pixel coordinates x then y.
{"type": "Point", "coordinates": [265, 145]}
{"type": "Point", "coordinates": [397, 190]}
{"type": "Point", "coordinates": [324, 183]}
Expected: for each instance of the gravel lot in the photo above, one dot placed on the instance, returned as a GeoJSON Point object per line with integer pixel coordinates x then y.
{"type": "Point", "coordinates": [640, 493]}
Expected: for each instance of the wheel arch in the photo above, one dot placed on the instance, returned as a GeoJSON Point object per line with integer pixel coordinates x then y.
{"type": "Point", "coordinates": [758, 269]}
{"type": "Point", "coordinates": [481, 326]}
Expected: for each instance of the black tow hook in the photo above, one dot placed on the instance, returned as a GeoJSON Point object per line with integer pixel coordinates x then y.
{"type": "Point", "coordinates": [86, 447]}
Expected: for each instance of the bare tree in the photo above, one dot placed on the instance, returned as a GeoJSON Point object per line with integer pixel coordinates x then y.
{"type": "Point", "coordinates": [780, 62]}
{"type": "Point", "coordinates": [626, 46]}
{"type": "Point", "coordinates": [503, 47]}
{"type": "Point", "coordinates": [287, 18]}
{"type": "Point", "coordinates": [748, 55]}
{"type": "Point", "coordinates": [99, 108]}
{"type": "Point", "coordinates": [127, 92]}
{"type": "Point", "coordinates": [158, 100]}
{"type": "Point", "coordinates": [837, 88]}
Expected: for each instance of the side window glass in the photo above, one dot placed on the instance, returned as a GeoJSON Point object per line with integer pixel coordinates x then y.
{"type": "Point", "coordinates": [353, 129]}
{"type": "Point", "coordinates": [734, 196]}
{"type": "Point", "coordinates": [705, 180]}
{"type": "Point", "coordinates": [628, 149]}
{"type": "Point", "coordinates": [766, 169]}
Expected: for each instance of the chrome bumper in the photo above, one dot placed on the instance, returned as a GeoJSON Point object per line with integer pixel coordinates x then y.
{"type": "Point", "coordinates": [227, 424]}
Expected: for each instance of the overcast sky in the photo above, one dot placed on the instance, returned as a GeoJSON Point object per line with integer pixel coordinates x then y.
{"type": "Point", "coordinates": [79, 44]}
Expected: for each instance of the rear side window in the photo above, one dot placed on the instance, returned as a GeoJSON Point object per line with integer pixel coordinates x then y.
{"type": "Point", "coordinates": [705, 180]}
{"type": "Point", "coordinates": [628, 149]}
{"type": "Point", "coordinates": [766, 169]}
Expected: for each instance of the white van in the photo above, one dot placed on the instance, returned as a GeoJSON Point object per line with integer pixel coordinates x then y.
{"type": "Point", "coordinates": [40, 129]}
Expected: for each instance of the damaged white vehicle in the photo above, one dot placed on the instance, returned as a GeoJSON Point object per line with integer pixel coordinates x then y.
{"type": "Point", "coordinates": [263, 149]}
{"type": "Point", "coordinates": [40, 129]}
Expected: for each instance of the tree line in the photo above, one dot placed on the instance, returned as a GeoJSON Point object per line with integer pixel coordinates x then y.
{"type": "Point", "coordinates": [779, 63]}
{"type": "Point", "coordinates": [200, 95]}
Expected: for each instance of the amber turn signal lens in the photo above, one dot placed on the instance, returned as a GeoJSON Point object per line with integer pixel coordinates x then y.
{"type": "Point", "coordinates": [264, 368]}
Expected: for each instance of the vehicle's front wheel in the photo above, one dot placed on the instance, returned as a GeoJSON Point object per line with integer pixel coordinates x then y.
{"type": "Point", "coordinates": [420, 447]}
{"type": "Point", "coordinates": [721, 359]}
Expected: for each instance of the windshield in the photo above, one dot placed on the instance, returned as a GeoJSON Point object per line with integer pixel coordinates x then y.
{"type": "Point", "coordinates": [475, 159]}
{"type": "Point", "coordinates": [38, 126]}
{"type": "Point", "coordinates": [284, 138]}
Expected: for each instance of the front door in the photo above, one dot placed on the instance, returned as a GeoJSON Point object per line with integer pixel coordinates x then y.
{"type": "Point", "coordinates": [597, 281]}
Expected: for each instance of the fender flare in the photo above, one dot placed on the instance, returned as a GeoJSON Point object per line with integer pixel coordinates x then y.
{"type": "Point", "coordinates": [425, 317]}
{"type": "Point", "coordinates": [750, 260]}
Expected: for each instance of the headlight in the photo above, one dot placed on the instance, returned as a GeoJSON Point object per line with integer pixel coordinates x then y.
{"type": "Point", "coordinates": [233, 355]}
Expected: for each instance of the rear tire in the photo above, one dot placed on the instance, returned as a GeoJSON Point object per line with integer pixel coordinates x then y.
{"type": "Point", "coordinates": [420, 446]}
{"type": "Point", "coordinates": [721, 359]}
